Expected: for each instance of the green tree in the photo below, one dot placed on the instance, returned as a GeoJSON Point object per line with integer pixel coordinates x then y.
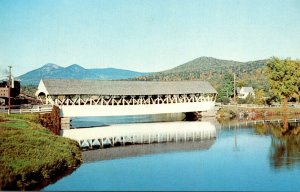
{"type": "Point", "coordinates": [284, 77]}
{"type": "Point", "coordinates": [249, 99]}
{"type": "Point", "coordinates": [29, 90]}
{"type": "Point", "coordinates": [259, 97]}
{"type": "Point", "coordinates": [227, 88]}
{"type": "Point", "coordinates": [241, 101]}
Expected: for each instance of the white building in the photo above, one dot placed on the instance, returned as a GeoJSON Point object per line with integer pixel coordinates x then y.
{"type": "Point", "coordinates": [244, 92]}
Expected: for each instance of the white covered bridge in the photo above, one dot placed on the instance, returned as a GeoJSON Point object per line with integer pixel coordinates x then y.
{"type": "Point", "coordinates": [114, 98]}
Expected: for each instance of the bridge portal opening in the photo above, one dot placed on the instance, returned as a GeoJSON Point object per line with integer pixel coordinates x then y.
{"type": "Point", "coordinates": [42, 97]}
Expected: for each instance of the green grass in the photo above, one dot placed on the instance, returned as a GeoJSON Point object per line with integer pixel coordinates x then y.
{"type": "Point", "coordinates": [30, 153]}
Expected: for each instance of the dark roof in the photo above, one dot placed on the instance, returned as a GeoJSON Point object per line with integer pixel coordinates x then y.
{"type": "Point", "coordinates": [100, 87]}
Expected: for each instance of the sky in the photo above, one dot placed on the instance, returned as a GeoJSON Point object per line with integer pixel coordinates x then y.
{"type": "Point", "coordinates": [144, 35]}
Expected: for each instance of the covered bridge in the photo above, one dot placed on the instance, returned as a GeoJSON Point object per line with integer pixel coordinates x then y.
{"type": "Point", "coordinates": [107, 98]}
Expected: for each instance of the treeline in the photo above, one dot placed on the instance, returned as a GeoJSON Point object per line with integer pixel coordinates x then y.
{"type": "Point", "coordinates": [218, 72]}
{"type": "Point", "coordinates": [29, 90]}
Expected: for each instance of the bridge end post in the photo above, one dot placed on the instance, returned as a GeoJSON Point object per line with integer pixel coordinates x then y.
{"type": "Point", "coordinates": [65, 122]}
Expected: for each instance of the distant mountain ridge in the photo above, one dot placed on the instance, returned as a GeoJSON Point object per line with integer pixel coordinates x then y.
{"type": "Point", "coordinates": [210, 69]}
{"type": "Point", "coordinates": [75, 71]}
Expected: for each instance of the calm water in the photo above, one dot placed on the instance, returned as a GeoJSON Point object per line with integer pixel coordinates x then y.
{"type": "Point", "coordinates": [242, 157]}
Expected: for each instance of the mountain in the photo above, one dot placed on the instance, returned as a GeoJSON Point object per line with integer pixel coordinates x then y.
{"type": "Point", "coordinates": [249, 73]}
{"type": "Point", "coordinates": [75, 71]}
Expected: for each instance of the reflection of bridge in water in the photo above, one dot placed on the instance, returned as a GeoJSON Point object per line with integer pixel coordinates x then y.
{"type": "Point", "coordinates": [141, 133]}
{"type": "Point", "coordinates": [139, 150]}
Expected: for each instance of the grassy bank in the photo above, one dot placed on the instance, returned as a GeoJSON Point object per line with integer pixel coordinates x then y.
{"type": "Point", "coordinates": [30, 154]}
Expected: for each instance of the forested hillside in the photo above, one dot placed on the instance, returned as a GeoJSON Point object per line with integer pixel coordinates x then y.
{"type": "Point", "coordinates": [214, 70]}
{"type": "Point", "coordinates": [206, 68]}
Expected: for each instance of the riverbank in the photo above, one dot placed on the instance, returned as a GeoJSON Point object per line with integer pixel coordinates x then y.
{"type": "Point", "coordinates": [232, 111]}
{"type": "Point", "coordinates": [31, 155]}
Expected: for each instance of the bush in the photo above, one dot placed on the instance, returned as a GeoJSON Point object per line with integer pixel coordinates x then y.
{"type": "Point", "coordinates": [223, 100]}
{"type": "Point", "coordinates": [241, 101]}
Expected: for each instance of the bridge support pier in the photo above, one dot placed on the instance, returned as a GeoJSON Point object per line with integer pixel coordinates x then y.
{"type": "Point", "coordinates": [65, 123]}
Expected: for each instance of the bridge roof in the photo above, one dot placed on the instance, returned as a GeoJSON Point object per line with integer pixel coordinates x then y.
{"type": "Point", "coordinates": [100, 87]}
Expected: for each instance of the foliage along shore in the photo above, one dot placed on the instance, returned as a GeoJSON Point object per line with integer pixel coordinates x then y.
{"type": "Point", "coordinates": [231, 111]}
{"type": "Point", "coordinates": [31, 155]}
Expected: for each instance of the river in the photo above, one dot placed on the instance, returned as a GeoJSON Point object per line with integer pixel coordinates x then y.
{"type": "Point", "coordinates": [242, 156]}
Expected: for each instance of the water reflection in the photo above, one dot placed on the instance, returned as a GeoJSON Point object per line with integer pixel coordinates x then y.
{"type": "Point", "coordinates": [141, 133]}
{"type": "Point", "coordinates": [285, 137]}
{"type": "Point", "coordinates": [236, 147]}
{"type": "Point", "coordinates": [285, 142]}
{"type": "Point", "coordinates": [285, 145]}
{"type": "Point", "coordinates": [237, 160]}
{"type": "Point", "coordinates": [140, 150]}
{"type": "Point", "coordinates": [79, 122]}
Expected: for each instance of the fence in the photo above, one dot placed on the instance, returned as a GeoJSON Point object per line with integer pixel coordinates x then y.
{"type": "Point", "coordinates": [33, 109]}
{"type": "Point", "coordinates": [262, 106]}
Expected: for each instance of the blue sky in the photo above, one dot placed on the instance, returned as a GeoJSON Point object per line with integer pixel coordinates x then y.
{"type": "Point", "coordinates": [141, 35]}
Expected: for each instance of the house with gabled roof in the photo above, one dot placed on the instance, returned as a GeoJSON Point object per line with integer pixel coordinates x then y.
{"type": "Point", "coordinates": [243, 92]}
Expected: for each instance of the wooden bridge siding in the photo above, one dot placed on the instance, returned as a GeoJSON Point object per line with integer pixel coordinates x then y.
{"type": "Point", "coordinates": [129, 100]}
{"type": "Point", "coordinates": [112, 105]}
{"type": "Point", "coordinates": [120, 110]}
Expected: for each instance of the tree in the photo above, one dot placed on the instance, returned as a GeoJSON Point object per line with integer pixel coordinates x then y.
{"type": "Point", "coordinates": [259, 97]}
{"type": "Point", "coordinates": [241, 101]}
{"type": "Point", "coordinates": [249, 99]}
{"type": "Point", "coordinates": [227, 88]}
{"type": "Point", "coordinates": [284, 78]}
{"type": "Point", "coordinates": [29, 90]}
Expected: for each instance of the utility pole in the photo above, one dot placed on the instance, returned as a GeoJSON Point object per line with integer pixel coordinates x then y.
{"type": "Point", "coordinates": [9, 88]}
{"type": "Point", "coordinates": [234, 87]}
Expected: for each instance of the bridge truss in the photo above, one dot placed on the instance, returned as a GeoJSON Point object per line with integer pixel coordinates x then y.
{"type": "Point", "coordinates": [125, 100]}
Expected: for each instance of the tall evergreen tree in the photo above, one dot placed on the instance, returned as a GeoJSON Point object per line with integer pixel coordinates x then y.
{"type": "Point", "coordinates": [227, 88]}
